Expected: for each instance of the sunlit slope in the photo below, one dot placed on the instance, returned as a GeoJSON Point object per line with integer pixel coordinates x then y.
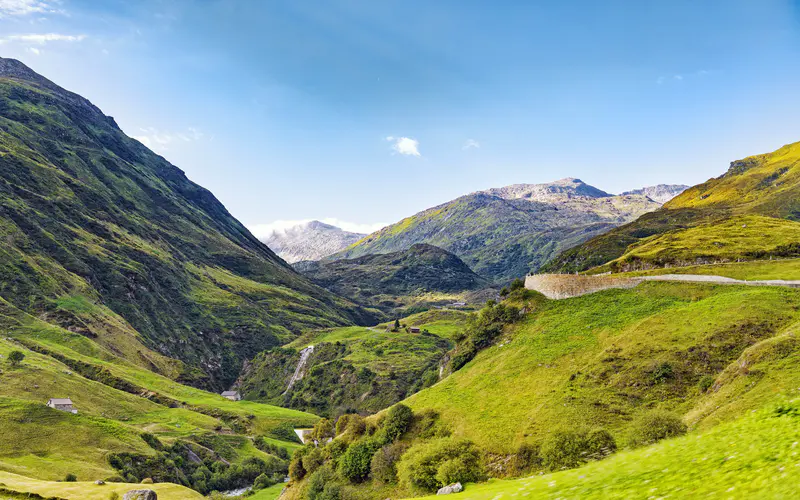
{"type": "Point", "coordinates": [116, 402]}
{"type": "Point", "coordinates": [94, 227]}
{"type": "Point", "coordinates": [765, 185]}
{"type": "Point", "coordinates": [89, 490]}
{"type": "Point", "coordinates": [752, 457]}
{"type": "Point", "coordinates": [600, 360]}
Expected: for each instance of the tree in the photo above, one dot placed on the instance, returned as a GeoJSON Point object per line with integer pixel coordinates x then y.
{"type": "Point", "coordinates": [396, 325]}
{"type": "Point", "coordinates": [15, 357]}
{"type": "Point", "coordinates": [398, 420]}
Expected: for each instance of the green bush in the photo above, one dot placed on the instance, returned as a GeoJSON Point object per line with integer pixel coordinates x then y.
{"type": "Point", "coordinates": [322, 485]}
{"type": "Point", "coordinates": [383, 467]}
{"type": "Point", "coordinates": [296, 469]}
{"type": "Point", "coordinates": [398, 420]}
{"type": "Point", "coordinates": [567, 449]}
{"type": "Point", "coordinates": [355, 463]}
{"type": "Point", "coordinates": [663, 372]}
{"type": "Point", "coordinates": [351, 424]}
{"type": "Point", "coordinates": [70, 478]}
{"type": "Point", "coordinates": [431, 465]}
{"type": "Point", "coordinates": [313, 460]}
{"type": "Point", "coordinates": [323, 431]}
{"type": "Point", "coordinates": [15, 357]}
{"type": "Point", "coordinates": [705, 383]}
{"type": "Point", "coordinates": [655, 426]}
{"type": "Point", "coordinates": [113, 496]}
{"type": "Point", "coordinates": [147, 480]}
{"type": "Point", "coordinates": [527, 457]}
{"type": "Point", "coordinates": [263, 481]}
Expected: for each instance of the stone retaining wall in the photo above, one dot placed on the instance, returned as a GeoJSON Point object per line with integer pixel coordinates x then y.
{"type": "Point", "coordinates": [564, 286]}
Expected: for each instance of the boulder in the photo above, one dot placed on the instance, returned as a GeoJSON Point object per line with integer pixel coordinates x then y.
{"type": "Point", "coordinates": [99, 482]}
{"type": "Point", "coordinates": [453, 488]}
{"type": "Point", "coordinates": [140, 495]}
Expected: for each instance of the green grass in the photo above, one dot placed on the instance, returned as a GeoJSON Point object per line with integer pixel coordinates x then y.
{"type": "Point", "coordinates": [91, 491]}
{"type": "Point", "coordinates": [445, 323]}
{"type": "Point", "coordinates": [271, 493]}
{"type": "Point", "coordinates": [738, 237]}
{"type": "Point", "coordinates": [752, 457]}
{"type": "Point", "coordinates": [782, 269]}
{"type": "Point", "coordinates": [589, 361]}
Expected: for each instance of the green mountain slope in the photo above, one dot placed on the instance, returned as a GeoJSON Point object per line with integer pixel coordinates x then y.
{"type": "Point", "coordinates": [389, 280]}
{"type": "Point", "coordinates": [504, 233]}
{"type": "Point", "coordinates": [102, 236]}
{"type": "Point", "coordinates": [766, 185]}
{"type": "Point", "coordinates": [601, 360]}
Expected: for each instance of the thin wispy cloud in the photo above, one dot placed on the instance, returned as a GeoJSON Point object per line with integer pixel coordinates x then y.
{"type": "Point", "coordinates": [404, 145]}
{"type": "Point", "coordinates": [264, 231]}
{"type": "Point", "coordinates": [471, 144]}
{"type": "Point", "coordinates": [9, 8]}
{"type": "Point", "coordinates": [161, 141]}
{"type": "Point", "coordinates": [42, 38]}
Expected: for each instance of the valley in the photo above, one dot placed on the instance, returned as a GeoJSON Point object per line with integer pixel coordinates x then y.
{"type": "Point", "coordinates": [410, 359]}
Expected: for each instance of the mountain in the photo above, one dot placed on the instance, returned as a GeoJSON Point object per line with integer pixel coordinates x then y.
{"type": "Point", "coordinates": [661, 193]}
{"type": "Point", "coordinates": [506, 232]}
{"type": "Point", "coordinates": [751, 211]}
{"type": "Point", "coordinates": [107, 239]}
{"type": "Point", "coordinates": [309, 241]}
{"type": "Point", "coordinates": [389, 280]}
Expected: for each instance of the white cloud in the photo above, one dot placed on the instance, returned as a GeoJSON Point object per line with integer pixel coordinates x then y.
{"type": "Point", "coordinates": [34, 50]}
{"type": "Point", "coordinates": [470, 144]}
{"type": "Point", "coordinates": [263, 231]}
{"type": "Point", "coordinates": [679, 77]}
{"type": "Point", "coordinates": [26, 7]}
{"type": "Point", "coordinates": [42, 38]}
{"type": "Point", "coordinates": [405, 145]}
{"type": "Point", "coordinates": [160, 141]}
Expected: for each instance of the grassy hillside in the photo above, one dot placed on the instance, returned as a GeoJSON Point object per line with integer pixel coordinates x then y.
{"type": "Point", "coordinates": [355, 369]}
{"type": "Point", "coordinates": [778, 269]}
{"type": "Point", "coordinates": [752, 457]}
{"type": "Point", "coordinates": [394, 280]}
{"type": "Point", "coordinates": [600, 360]}
{"type": "Point", "coordinates": [766, 185]}
{"type": "Point", "coordinates": [502, 236]}
{"type": "Point", "coordinates": [100, 235]}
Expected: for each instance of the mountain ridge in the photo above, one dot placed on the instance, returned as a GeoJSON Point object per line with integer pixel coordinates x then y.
{"type": "Point", "coordinates": [310, 241]}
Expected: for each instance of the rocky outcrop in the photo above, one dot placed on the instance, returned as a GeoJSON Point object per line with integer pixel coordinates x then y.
{"type": "Point", "coordinates": [140, 495]}
{"type": "Point", "coordinates": [564, 286]}
{"type": "Point", "coordinates": [453, 488]}
{"type": "Point", "coordinates": [661, 193]}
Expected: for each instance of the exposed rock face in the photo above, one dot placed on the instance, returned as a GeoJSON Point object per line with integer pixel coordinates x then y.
{"type": "Point", "coordinates": [504, 233]}
{"type": "Point", "coordinates": [661, 193]}
{"type": "Point", "coordinates": [310, 241]}
{"type": "Point", "coordinates": [453, 488]}
{"type": "Point", "coordinates": [140, 495]}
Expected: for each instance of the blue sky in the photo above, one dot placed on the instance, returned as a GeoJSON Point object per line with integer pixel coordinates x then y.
{"type": "Point", "coordinates": [367, 111]}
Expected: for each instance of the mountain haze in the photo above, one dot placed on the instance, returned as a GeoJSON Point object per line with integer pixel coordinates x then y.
{"type": "Point", "coordinates": [310, 241]}
{"type": "Point", "coordinates": [661, 193]}
{"type": "Point", "coordinates": [95, 226]}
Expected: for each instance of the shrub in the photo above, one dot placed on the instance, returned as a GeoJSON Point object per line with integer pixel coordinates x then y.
{"type": "Point", "coordinates": [147, 480]}
{"type": "Point", "coordinates": [431, 465]}
{"type": "Point", "coordinates": [113, 496]}
{"type": "Point", "coordinates": [323, 431]}
{"type": "Point", "coordinates": [322, 486]}
{"type": "Point", "coordinates": [655, 426]}
{"type": "Point", "coordinates": [567, 449]}
{"type": "Point", "coordinates": [564, 449]}
{"type": "Point", "coordinates": [335, 449]}
{"type": "Point", "coordinates": [398, 420]}
{"type": "Point", "coordinates": [527, 457]}
{"type": "Point", "coordinates": [352, 424]}
{"type": "Point", "coordinates": [296, 469]}
{"type": "Point", "coordinates": [313, 460]}
{"type": "Point", "coordinates": [383, 466]}
{"type": "Point", "coordinates": [663, 372]}
{"type": "Point", "coordinates": [70, 478]}
{"type": "Point", "coordinates": [15, 357]}
{"type": "Point", "coordinates": [600, 444]}
{"type": "Point", "coordinates": [705, 383]}
{"type": "Point", "coordinates": [355, 463]}
{"type": "Point", "coordinates": [263, 481]}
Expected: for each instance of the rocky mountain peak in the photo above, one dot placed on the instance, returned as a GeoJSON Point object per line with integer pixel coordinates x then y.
{"type": "Point", "coordinates": [550, 192]}
{"type": "Point", "coordinates": [311, 240]}
{"type": "Point", "coordinates": [660, 193]}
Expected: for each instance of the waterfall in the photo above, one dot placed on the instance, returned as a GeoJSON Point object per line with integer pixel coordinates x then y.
{"type": "Point", "coordinates": [298, 372]}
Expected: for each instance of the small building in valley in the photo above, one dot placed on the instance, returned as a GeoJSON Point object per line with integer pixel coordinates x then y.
{"type": "Point", "coordinates": [414, 329]}
{"type": "Point", "coordinates": [62, 404]}
{"type": "Point", "coordinates": [232, 395]}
